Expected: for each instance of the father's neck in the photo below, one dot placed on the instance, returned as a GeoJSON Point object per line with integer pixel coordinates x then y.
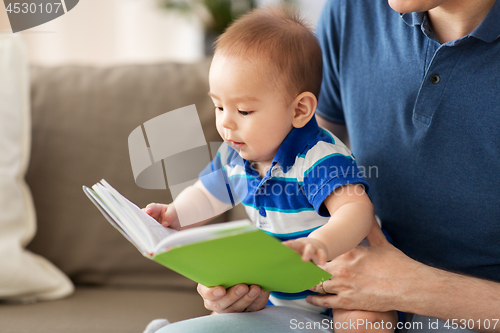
{"type": "Point", "coordinates": [457, 18]}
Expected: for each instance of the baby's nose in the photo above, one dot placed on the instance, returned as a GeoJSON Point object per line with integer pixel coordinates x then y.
{"type": "Point", "coordinates": [228, 121]}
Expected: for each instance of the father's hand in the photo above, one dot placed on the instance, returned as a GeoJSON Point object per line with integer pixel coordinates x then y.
{"type": "Point", "coordinates": [239, 298]}
{"type": "Point", "coordinates": [370, 278]}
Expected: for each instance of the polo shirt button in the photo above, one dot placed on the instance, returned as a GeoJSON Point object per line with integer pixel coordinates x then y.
{"type": "Point", "coordinates": [262, 212]}
{"type": "Point", "coordinates": [435, 79]}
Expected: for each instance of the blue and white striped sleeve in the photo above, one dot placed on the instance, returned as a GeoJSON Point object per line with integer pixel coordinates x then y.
{"type": "Point", "coordinates": [326, 167]}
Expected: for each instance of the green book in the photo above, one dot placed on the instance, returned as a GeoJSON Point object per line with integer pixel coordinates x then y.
{"type": "Point", "coordinates": [222, 254]}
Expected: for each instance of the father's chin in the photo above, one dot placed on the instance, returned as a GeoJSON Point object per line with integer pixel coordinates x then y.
{"type": "Point", "coordinates": [410, 6]}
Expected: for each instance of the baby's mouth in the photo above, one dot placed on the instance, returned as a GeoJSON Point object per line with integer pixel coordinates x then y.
{"type": "Point", "coordinates": [235, 144]}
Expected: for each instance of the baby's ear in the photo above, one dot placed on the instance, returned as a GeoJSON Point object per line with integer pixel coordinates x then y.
{"type": "Point", "coordinates": [304, 108]}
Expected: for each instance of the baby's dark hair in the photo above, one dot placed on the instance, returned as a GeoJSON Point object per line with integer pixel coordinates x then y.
{"type": "Point", "coordinates": [281, 37]}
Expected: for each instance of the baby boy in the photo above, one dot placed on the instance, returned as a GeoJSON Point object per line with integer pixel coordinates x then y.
{"type": "Point", "coordinates": [296, 180]}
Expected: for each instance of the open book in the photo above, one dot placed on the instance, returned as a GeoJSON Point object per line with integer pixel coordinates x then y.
{"type": "Point", "coordinates": [223, 254]}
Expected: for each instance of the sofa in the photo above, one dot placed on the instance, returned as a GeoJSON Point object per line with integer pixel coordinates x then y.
{"type": "Point", "coordinates": [80, 118]}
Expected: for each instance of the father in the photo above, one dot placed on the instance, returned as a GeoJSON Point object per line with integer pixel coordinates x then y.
{"type": "Point", "coordinates": [419, 96]}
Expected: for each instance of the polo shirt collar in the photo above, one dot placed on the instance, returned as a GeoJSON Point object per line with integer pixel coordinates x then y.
{"type": "Point", "coordinates": [488, 30]}
{"type": "Point", "coordinates": [294, 144]}
{"type": "Point", "coordinates": [421, 20]}
{"type": "Point", "coordinates": [413, 19]}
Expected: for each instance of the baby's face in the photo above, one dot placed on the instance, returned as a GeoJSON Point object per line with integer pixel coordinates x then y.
{"type": "Point", "coordinates": [251, 112]}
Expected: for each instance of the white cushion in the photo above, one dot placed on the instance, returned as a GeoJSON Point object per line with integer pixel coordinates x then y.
{"type": "Point", "coordinates": [24, 276]}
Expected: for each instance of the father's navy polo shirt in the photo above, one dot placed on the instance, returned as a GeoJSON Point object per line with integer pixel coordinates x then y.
{"type": "Point", "coordinates": [427, 116]}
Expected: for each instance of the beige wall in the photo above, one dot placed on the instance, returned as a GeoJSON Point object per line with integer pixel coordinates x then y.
{"type": "Point", "coordinates": [102, 32]}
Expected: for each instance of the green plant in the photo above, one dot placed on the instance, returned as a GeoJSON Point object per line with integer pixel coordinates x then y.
{"type": "Point", "coordinates": [215, 14]}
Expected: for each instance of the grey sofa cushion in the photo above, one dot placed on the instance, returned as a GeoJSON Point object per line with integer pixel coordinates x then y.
{"type": "Point", "coordinates": [82, 117]}
{"type": "Point", "coordinates": [101, 310]}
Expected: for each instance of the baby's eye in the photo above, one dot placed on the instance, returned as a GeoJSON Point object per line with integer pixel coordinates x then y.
{"type": "Point", "coordinates": [219, 108]}
{"type": "Point", "coordinates": [244, 113]}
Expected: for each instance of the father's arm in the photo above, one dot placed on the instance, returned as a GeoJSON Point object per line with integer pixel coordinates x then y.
{"type": "Point", "coordinates": [382, 278]}
{"type": "Point", "coordinates": [447, 295]}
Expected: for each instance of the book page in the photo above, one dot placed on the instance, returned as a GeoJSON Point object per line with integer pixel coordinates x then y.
{"type": "Point", "coordinates": [151, 229]}
{"type": "Point", "coordinates": [123, 219]}
{"type": "Point", "coordinates": [149, 236]}
{"type": "Point", "coordinates": [108, 214]}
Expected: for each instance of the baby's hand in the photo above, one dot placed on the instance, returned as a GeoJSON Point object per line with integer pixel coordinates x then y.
{"type": "Point", "coordinates": [166, 215]}
{"type": "Point", "coordinates": [310, 249]}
